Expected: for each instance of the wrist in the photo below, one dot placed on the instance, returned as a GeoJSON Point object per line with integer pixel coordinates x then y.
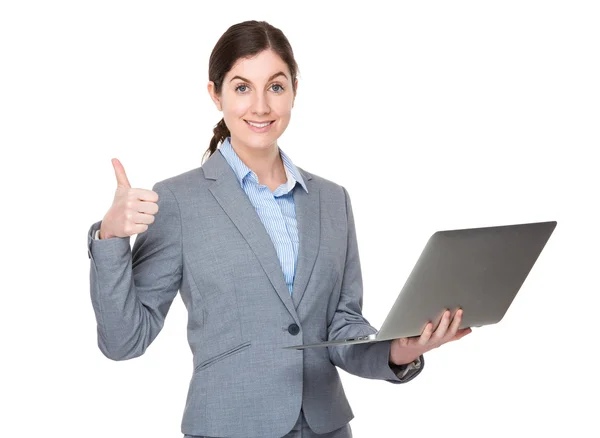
{"type": "Point", "coordinates": [401, 354]}
{"type": "Point", "coordinates": [102, 235]}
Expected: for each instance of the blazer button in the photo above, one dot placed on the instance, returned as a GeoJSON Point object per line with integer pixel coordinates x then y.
{"type": "Point", "coordinates": [294, 329]}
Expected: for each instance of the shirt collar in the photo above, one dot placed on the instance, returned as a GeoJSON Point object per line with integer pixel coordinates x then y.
{"type": "Point", "coordinates": [241, 170]}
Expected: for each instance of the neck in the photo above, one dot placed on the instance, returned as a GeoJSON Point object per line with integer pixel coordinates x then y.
{"type": "Point", "coordinates": [266, 162]}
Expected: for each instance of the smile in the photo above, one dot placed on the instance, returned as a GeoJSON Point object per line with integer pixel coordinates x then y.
{"type": "Point", "coordinates": [259, 125]}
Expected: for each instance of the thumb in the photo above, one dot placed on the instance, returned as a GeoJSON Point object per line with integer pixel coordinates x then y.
{"type": "Point", "coordinates": [122, 180]}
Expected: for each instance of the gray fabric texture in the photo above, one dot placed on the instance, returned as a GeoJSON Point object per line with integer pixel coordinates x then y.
{"type": "Point", "coordinates": [208, 243]}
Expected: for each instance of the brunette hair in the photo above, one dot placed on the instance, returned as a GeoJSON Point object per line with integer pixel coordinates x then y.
{"type": "Point", "coordinates": [244, 40]}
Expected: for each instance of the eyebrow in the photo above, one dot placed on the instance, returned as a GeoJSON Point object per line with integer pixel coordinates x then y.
{"type": "Point", "coordinates": [279, 73]}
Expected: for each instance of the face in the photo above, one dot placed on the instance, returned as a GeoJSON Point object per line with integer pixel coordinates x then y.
{"type": "Point", "coordinates": [256, 91]}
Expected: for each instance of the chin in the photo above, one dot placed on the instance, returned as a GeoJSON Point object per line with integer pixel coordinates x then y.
{"type": "Point", "coordinates": [259, 141]}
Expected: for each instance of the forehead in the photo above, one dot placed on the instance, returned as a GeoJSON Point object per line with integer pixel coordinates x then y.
{"type": "Point", "coordinates": [259, 67]}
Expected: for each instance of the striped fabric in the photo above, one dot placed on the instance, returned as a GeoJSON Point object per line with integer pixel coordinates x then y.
{"type": "Point", "coordinates": [276, 210]}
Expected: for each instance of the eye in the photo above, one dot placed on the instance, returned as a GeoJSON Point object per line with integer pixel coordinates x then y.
{"type": "Point", "coordinates": [280, 90]}
{"type": "Point", "coordinates": [241, 86]}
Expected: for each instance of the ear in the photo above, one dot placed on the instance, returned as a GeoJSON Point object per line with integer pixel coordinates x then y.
{"type": "Point", "coordinates": [213, 94]}
{"type": "Point", "coordinates": [296, 88]}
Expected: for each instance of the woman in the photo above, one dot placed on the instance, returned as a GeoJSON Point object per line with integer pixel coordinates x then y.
{"type": "Point", "coordinates": [264, 255]}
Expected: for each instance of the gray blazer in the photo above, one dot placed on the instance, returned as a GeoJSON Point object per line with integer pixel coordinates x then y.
{"type": "Point", "coordinates": [208, 242]}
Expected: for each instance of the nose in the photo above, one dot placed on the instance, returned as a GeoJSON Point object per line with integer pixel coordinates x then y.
{"type": "Point", "coordinates": [261, 104]}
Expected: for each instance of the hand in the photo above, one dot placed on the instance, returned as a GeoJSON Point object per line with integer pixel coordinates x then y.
{"type": "Point", "coordinates": [132, 209]}
{"type": "Point", "coordinates": [406, 350]}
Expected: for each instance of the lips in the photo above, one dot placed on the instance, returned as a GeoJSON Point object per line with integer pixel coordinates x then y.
{"type": "Point", "coordinates": [259, 124]}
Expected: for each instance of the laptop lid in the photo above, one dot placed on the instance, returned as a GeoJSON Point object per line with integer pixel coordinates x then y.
{"type": "Point", "coordinates": [477, 269]}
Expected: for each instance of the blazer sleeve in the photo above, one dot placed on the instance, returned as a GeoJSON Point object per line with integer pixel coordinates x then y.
{"type": "Point", "coordinates": [132, 290]}
{"type": "Point", "coordinates": [370, 360]}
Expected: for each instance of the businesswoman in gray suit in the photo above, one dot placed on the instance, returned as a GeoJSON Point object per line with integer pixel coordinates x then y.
{"type": "Point", "coordinates": [264, 255]}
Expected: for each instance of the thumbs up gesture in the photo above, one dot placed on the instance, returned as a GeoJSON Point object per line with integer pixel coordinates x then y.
{"type": "Point", "coordinates": [132, 209]}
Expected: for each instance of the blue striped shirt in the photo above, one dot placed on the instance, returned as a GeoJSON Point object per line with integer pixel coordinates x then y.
{"type": "Point", "coordinates": [276, 210]}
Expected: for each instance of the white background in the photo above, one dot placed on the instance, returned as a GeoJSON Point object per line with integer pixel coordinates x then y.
{"type": "Point", "coordinates": [434, 115]}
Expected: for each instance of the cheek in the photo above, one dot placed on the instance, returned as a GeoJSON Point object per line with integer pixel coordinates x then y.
{"type": "Point", "coordinates": [234, 107]}
{"type": "Point", "coordinates": [237, 109]}
{"type": "Point", "coordinates": [283, 109]}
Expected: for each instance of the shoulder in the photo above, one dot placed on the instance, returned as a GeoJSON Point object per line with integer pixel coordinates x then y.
{"type": "Point", "coordinates": [332, 194]}
{"type": "Point", "coordinates": [182, 181]}
{"type": "Point", "coordinates": [324, 185]}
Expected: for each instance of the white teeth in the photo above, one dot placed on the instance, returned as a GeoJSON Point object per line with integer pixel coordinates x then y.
{"type": "Point", "coordinates": [258, 125]}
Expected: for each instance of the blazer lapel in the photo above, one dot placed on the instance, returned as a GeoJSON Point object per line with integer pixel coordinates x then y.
{"type": "Point", "coordinates": [235, 203]}
{"type": "Point", "coordinates": [308, 217]}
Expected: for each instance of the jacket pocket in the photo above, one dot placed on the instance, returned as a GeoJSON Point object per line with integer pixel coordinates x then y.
{"type": "Point", "coordinates": [207, 363]}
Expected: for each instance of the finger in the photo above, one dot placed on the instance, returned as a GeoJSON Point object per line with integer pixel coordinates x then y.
{"type": "Point", "coordinates": [142, 218]}
{"type": "Point", "coordinates": [426, 335]}
{"type": "Point", "coordinates": [144, 195]}
{"type": "Point", "coordinates": [440, 332]}
{"type": "Point", "coordinates": [147, 207]}
{"type": "Point", "coordinates": [455, 323]}
{"type": "Point", "coordinates": [137, 229]}
{"type": "Point", "coordinates": [122, 180]}
{"type": "Point", "coordinates": [464, 332]}
{"type": "Point", "coordinates": [461, 334]}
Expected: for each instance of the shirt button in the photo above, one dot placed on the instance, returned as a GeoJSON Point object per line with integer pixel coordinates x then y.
{"type": "Point", "coordinates": [294, 329]}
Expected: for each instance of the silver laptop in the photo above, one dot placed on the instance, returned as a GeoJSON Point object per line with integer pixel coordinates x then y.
{"type": "Point", "coordinates": [479, 270]}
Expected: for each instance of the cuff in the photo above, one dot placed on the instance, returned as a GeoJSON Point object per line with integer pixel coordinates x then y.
{"type": "Point", "coordinates": [408, 371]}
{"type": "Point", "coordinates": [105, 248]}
{"type": "Point", "coordinates": [400, 373]}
